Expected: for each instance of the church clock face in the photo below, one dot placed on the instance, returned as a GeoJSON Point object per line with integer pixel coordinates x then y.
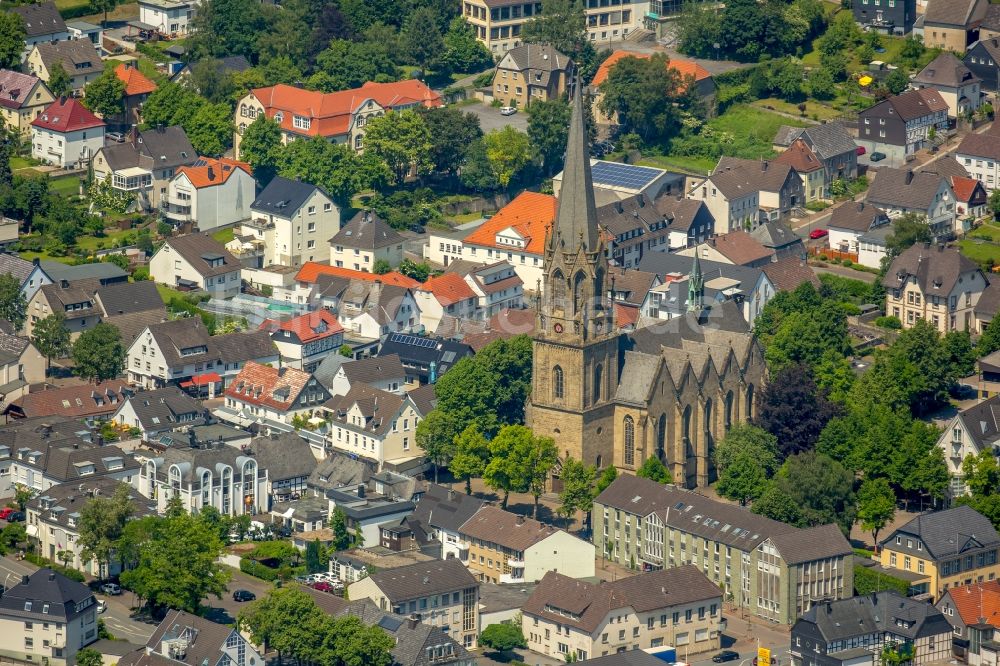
{"type": "Point", "coordinates": [558, 328]}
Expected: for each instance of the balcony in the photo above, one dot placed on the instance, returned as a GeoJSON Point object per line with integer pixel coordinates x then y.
{"type": "Point", "coordinates": [259, 223]}
{"type": "Point", "coordinates": [513, 577]}
{"type": "Point", "coordinates": [515, 563]}
{"type": "Point", "coordinates": [175, 211]}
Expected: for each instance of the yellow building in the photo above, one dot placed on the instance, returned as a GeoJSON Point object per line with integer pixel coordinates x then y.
{"type": "Point", "coordinates": [531, 72]}
{"type": "Point", "coordinates": [957, 546]}
{"type": "Point", "coordinates": [22, 99]}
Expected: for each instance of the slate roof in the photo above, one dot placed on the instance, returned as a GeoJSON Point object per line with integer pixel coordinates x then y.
{"type": "Point", "coordinates": [628, 658]}
{"type": "Point", "coordinates": [857, 216]}
{"type": "Point", "coordinates": [40, 19]}
{"type": "Point", "coordinates": [588, 604]}
{"type": "Point", "coordinates": [57, 504]}
{"type": "Point", "coordinates": [16, 87]}
{"type": "Point", "coordinates": [446, 509]}
{"type": "Point", "coordinates": [378, 408]}
{"type": "Point", "coordinates": [787, 273]}
{"type": "Point", "coordinates": [122, 298]}
{"type": "Point", "coordinates": [982, 422]}
{"type": "Point", "coordinates": [775, 235]}
{"type": "Point", "coordinates": [189, 332]}
{"type": "Point", "coordinates": [810, 543]}
{"type": "Point", "coordinates": [540, 57]}
{"type": "Point", "coordinates": [15, 266]}
{"type": "Point", "coordinates": [984, 146]}
{"type": "Point", "coordinates": [199, 250]}
{"type": "Point", "coordinates": [445, 353]}
{"type": "Point", "coordinates": [46, 588]}
{"type": "Point", "coordinates": [945, 533]}
{"type": "Point", "coordinates": [904, 188]}
{"type": "Point", "coordinates": [957, 13]}
{"type": "Point", "coordinates": [367, 231]}
{"type": "Point", "coordinates": [189, 459]}
{"type": "Point", "coordinates": [283, 197]}
{"type": "Point", "coordinates": [423, 579]}
{"type": "Point", "coordinates": [338, 470]}
{"type": "Point", "coordinates": [936, 269]}
{"type": "Point", "coordinates": [285, 456]}
{"type": "Point", "coordinates": [680, 212]}
{"type": "Point", "coordinates": [737, 178]}
{"type": "Point", "coordinates": [423, 398]}
{"type": "Point", "coordinates": [641, 369]}
{"type": "Point", "coordinates": [510, 530]}
{"type": "Point", "coordinates": [12, 347]}
{"type": "Point", "coordinates": [156, 148]}
{"type": "Point", "coordinates": [945, 70]}
{"type": "Point", "coordinates": [915, 104]}
{"type": "Point", "coordinates": [373, 369]}
{"type": "Point", "coordinates": [205, 642]}
{"type": "Point", "coordinates": [632, 285]}
{"type": "Point", "coordinates": [874, 613]}
{"type": "Point", "coordinates": [829, 140]}
{"type": "Point", "coordinates": [77, 56]}
{"type": "Point", "coordinates": [625, 215]}
{"type": "Point", "coordinates": [76, 401]}
{"type": "Point", "coordinates": [163, 409]}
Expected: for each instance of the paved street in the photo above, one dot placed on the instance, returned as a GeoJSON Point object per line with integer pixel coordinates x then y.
{"type": "Point", "coordinates": [225, 610]}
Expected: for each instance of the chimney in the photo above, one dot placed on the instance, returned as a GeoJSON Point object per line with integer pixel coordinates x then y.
{"type": "Point", "coordinates": [909, 176]}
{"type": "Point", "coordinates": [211, 173]}
{"type": "Point", "coordinates": [764, 165]}
{"type": "Point", "coordinates": [24, 579]}
{"type": "Point", "coordinates": [412, 621]}
{"type": "Point", "coordinates": [829, 607]}
{"type": "Point", "coordinates": [62, 99]}
{"type": "Point", "coordinates": [64, 284]}
{"type": "Point", "coordinates": [451, 494]}
{"type": "Point", "coordinates": [520, 520]}
{"type": "Point", "coordinates": [52, 575]}
{"type": "Point", "coordinates": [361, 490]}
{"type": "Point", "coordinates": [36, 261]}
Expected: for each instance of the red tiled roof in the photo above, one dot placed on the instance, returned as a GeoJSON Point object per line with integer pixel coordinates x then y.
{"type": "Point", "coordinates": [964, 187]}
{"type": "Point", "coordinates": [66, 114]}
{"type": "Point", "coordinates": [264, 386]}
{"type": "Point", "coordinates": [306, 326]}
{"type": "Point", "coordinates": [740, 247]}
{"type": "Point", "coordinates": [626, 315]}
{"type": "Point", "coordinates": [312, 270]}
{"type": "Point", "coordinates": [800, 157]}
{"type": "Point", "coordinates": [448, 288]}
{"type": "Point", "coordinates": [74, 401]}
{"type": "Point", "coordinates": [530, 214]}
{"type": "Point", "coordinates": [135, 81]}
{"type": "Point", "coordinates": [977, 600]}
{"type": "Point", "coordinates": [222, 169]}
{"type": "Point", "coordinates": [683, 67]}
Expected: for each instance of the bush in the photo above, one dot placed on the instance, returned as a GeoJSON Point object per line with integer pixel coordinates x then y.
{"type": "Point", "coordinates": [258, 570]}
{"type": "Point", "coordinates": [40, 561]}
{"type": "Point", "coordinates": [817, 206]}
{"type": "Point", "coordinates": [867, 581]}
{"type": "Point", "coordinates": [847, 263]}
{"type": "Point", "coordinates": [889, 322]}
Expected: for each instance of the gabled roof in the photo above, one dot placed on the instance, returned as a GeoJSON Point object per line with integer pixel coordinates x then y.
{"type": "Point", "coordinates": [209, 171]}
{"type": "Point", "coordinates": [982, 422]}
{"type": "Point", "coordinates": [985, 146]}
{"type": "Point", "coordinates": [681, 212]}
{"type": "Point", "coordinates": [423, 579]}
{"type": "Point", "coordinates": [77, 56]}
{"type": "Point", "coordinates": [881, 612]}
{"type": "Point", "coordinates": [904, 188]}
{"type": "Point", "coordinates": [530, 214]}
{"type": "Point", "coordinates": [914, 104]}
{"type": "Point", "coordinates": [206, 639]}
{"type": "Point", "coordinates": [683, 67]}
{"type": "Point", "coordinates": [945, 70]}
{"type": "Point", "coordinates": [367, 231]}
{"type": "Point", "coordinates": [739, 247]}
{"type": "Point", "coordinates": [446, 509]}
{"type": "Point", "coordinates": [632, 285]}
{"type": "Point", "coordinates": [757, 175]}
{"type": "Point", "coordinates": [284, 456]}
{"type": "Point", "coordinates": [419, 350]}
{"type": "Point", "coordinates": [40, 19]}
{"type": "Point", "coordinates": [201, 251]}
{"type": "Point", "coordinates": [967, 189]}
{"type": "Point", "coordinates": [163, 408]}
{"type": "Point", "coordinates": [373, 369]}
{"type": "Point", "coordinates": [510, 530]}
{"type": "Point", "coordinates": [976, 602]}
{"type": "Point", "coordinates": [15, 266]}
{"type": "Point", "coordinates": [104, 271]}
{"type": "Point", "coordinates": [448, 289]}
{"type": "Point", "coordinates": [121, 298]}
{"type": "Point", "coordinates": [775, 235]}
{"type": "Point", "coordinates": [800, 157]}
{"type": "Point", "coordinates": [857, 216]}
{"type": "Point", "coordinates": [964, 14]}
{"type": "Point", "coordinates": [378, 408]}
{"type": "Point", "coordinates": [66, 114]}
{"type": "Point", "coordinates": [788, 273]}
{"type": "Point", "coordinates": [946, 533]}
{"type": "Point", "coordinates": [311, 271]}
{"type": "Point", "coordinates": [135, 81]}
{"type": "Point", "coordinates": [15, 88]}
{"type": "Point", "coordinates": [936, 269]}
{"type": "Point", "coordinates": [309, 327]}
{"type": "Point", "coordinates": [829, 140]}
{"type": "Point", "coordinates": [266, 386]}
{"type": "Point", "coordinates": [284, 197]}
{"type": "Point", "coordinates": [75, 401]}
{"type": "Point", "coordinates": [157, 148]}
{"type": "Point", "coordinates": [46, 595]}
{"type": "Point", "coordinates": [541, 57]}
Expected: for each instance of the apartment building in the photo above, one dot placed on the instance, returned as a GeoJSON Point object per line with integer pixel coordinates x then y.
{"type": "Point", "coordinates": [268, 395]}
{"type": "Point", "coordinates": [211, 193]}
{"type": "Point", "coordinates": [306, 340]}
{"type": "Point", "coordinates": [956, 83]}
{"type": "Point", "coordinates": [364, 240]}
{"type": "Point", "coordinates": [531, 72]}
{"type": "Point", "coordinates": [773, 570]}
{"type": "Point", "coordinates": [577, 620]}
{"type": "Point", "coordinates": [903, 124]}
{"type": "Point", "coordinates": [901, 191]}
{"type": "Point", "coordinates": [376, 425]}
{"type": "Point", "coordinates": [980, 155]}
{"type": "Point", "coordinates": [969, 433]}
{"type": "Point", "coordinates": [441, 512]}
{"type": "Point", "coordinates": [24, 98]}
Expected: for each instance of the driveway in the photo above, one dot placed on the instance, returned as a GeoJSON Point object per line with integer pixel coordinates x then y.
{"type": "Point", "coordinates": [490, 118]}
{"type": "Point", "coordinates": [225, 610]}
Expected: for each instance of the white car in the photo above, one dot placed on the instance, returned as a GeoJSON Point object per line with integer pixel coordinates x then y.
{"type": "Point", "coordinates": [508, 110]}
{"type": "Point", "coordinates": [102, 605]}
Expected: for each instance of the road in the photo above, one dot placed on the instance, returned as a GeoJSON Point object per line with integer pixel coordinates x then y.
{"type": "Point", "coordinates": [490, 118]}
{"type": "Point", "coordinates": [225, 610]}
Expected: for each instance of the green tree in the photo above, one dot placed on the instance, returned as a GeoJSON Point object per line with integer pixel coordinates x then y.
{"type": "Point", "coordinates": [989, 341]}
{"type": "Point", "coordinates": [314, 561]}
{"type": "Point", "coordinates": [12, 34]}
{"type": "Point", "coordinates": [512, 452]}
{"type": "Point", "coordinates": [401, 140]}
{"type": "Point", "coordinates": [792, 409]}
{"type": "Point", "coordinates": [502, 637]}
{"type": "Point", "coordinates": [744, 480]}
{"type": "Point", "coordinates": [653, 469]}
{"type": "Point", "coordinates": [561, 23]}
{"type": "Point", "coordinates": [578, 489]}
{"type": "Point", "coordinates": [61, 85]}
{"type": "Point", "coordinates": [821, 487]}
{"type": "Point", "coordinates": [13, 306]}
{"type": "Point", "coordinates": [260, 147]}
{"type": "Point", "coordinates": [472, 453]}
{"type": "Point", "coordinates": [645, 95]}
{"type": "Point", "coordinates": [340, 171]}
{"type": "Point", "coordinates": [171, 104]}
{"type": "Point", "coordinates": [338, 523]}
{"type": "Point", "coordinates": [607, 477]}
{"type": "Point", "coordinates": [548, 128]}
{"type": "Point", "coordinates": [897, 81]}
{"type": "Point", "coordinates": [542, 460]}
{"type": "Point", "coordinates": [102, 523]}
{"type": "Point", "coordinates": [750, 439]}
{"type": "Point", "coordinates": [981, 473]}
{"type": "Point", "coordinates": [211, 129]}
{"type": "Point", "coordinates": [412, 269]}
{"type": "Point", "coordinates": [106, 94]}
{"type": "Point", "coordinates": [476, 172]}
{"type": "Point", "coordinates": [876, 505]}
{"type": "Point", "coordinates": [452, 131]}
{"type": "Point", "coordinates": [346, 64]}
{"type": "Point", "coordinates": [381, 267]}
{"type": "Point", "coordinates": [422, 38]}
{"type": "Point", "coordinates": [51, 337]}
{"type": "Point", "coordinates": [99, 354]}
{"type": "Point", "coordinates": [89, 657]}
{"type": "Point", "coordinates": [436, 436]}
{"type": "Point", "coordinates": [508, 151]}
{"type": "Point", "coordinates": [22, 495]}
{"type": "Point", "coordinates": [778, 505]}
{"type": "Point", "coordinates": [462, 51]}
{"type": "Point", "coordinates": [227, 27]}
{"type": "Point", "coordinates": [907, 229]}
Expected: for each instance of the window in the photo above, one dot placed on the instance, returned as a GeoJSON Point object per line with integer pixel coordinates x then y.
{"type": "Point", "coordinates": [557, 382]}
{"type": "Point", "coordinates": [300, 122]}
{"type": "Point", "coordinates": [629, 428]}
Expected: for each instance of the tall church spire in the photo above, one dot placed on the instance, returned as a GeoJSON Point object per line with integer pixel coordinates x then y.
{"type": "Point", "coordinates": [696, 286]}
{"type": "Point", "coordinates": [576, 219]}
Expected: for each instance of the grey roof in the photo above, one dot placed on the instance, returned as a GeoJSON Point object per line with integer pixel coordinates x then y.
{"type": "Point", "coordinates": [945, 70]}
{"type": "Point", "coordinates": [373, 369]}
{"type": "Point", "coordinates": [52, 597]}
{"type": "Point", "coordinates": [947, 166]}
{"type": "Point", "coordinates": [378, 408]}
{"type": "Point", "coordinates": [669, 263]}
{"type": "Point", "coordinates": [205, 641]}
{"type": "Point", "coordinates": [982, 421]}
{"type": "Point", "coordinates": [937, 269]}
{"type": "Point", "coordinates": [285, 456]}
{"type": "Point", "coordinates": [11, 347]}
{"type": "Point", "coordinates": [190, 333]}
{"type": "Point", "coordinates": [423, 579]}
{"type": "Point", "coordinates": [55, 505]}
{"type": "Point", "coordinates": [102, 270]}
{"type": "Point", "coordinates": [338, 470]}
{"type": "Point", "coordinates": [681, 212]}
{"type": "Point", "coordinates": [641, 370]}
{"type": "Point", "coordinates": [538, 56]}
{"type": "Point", "coordinates": [634, 213]}
{"type": "Point", "coordinates": [328, 368]}
{"type": "Point", "coordinates": [904, 188]}
{"type": "Point", "coordinates": [874, 613]}
{"type": "Point", "coordinates": [15, 266]}
{"type": "Point", "coordinates": [946, 533]}
{"type": "Point", "coordinates": [77, 56]}
{"type": "Point", "coordinates": [775, 235]}
{"type": "Point", "coordinates": [829, 140]}
{"type": "Point", "coordinates": [736, 177]}
{"type": "Point", "coordinates": [40, 19]}
{"type": "Point", "coordinates": [416, 351]}
{"type": "Point", "coordinates": [631, 285]}
{"type": "Point", "coordinates": [189, 459]}
{"type": "Point", "coordinates": [989, 302]}
{"type": "Point", "coordinates": [811, 544]}
{"type": "Point", "coordinates": [123, 298]}
{"type": "Point", "coordinates": [979, 145]}
{"type": "Point", "coordinates": [424, 398]}
{"type": "Point", "coordinates": [367, 231]}
{"type": "Point", "coordinates": [991, 21]}
{"type": "Point", "coordinates": [359, 509]}
{"type": "Point", "coordinates": [283, 197]}
{"type": "Point", "coordinates": [166, 409]}
{"type": "Point", "coordinates": [116, 648]}
{"type": "Point", "coordinates": [857, 216]}
{"type": "Point", "coordinates": [446, 509]}
{"type": "Point", "coordinates": [156, 148]}
{"type": "Point", "coordinates": [201, 251]}
{"type": "Point", "coordinates": [576, 214]}
{"type": "Point", "coordinates": [957, 13]}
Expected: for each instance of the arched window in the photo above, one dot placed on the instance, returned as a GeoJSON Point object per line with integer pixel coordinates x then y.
{"type": "Point", "coordinates": [598, 461]}
{"type": "Point", "coordinates": [598, 377]}
{"type": "Point", "coordinates": [578, 281]}
{"type": "Point", "coordinates": [558, 286]}
{"type": "Point", "coordinates": [729, 410]}
{"type": "Point", "coordinates": [686, 423]}
{"type": "Point", "coordinates": [629, 441]}
{"type": "Point", "coordinates": [708, 416]}
{"type": "Point", "coordinates": [749, 411]}
{"type": "Point", "coordinates": [557, 382]}
{"type": "Point", "coordinates": [661, 436]}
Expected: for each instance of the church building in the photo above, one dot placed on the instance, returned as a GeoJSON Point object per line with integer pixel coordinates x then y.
{"type": "Point", "coordinates": [670, 389]}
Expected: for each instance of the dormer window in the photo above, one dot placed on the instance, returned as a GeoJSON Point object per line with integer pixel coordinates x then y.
{"type": "Point", "coordinates": [301, 122]}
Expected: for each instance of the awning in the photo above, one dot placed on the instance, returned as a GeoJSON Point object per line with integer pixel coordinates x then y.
{"type": "Point", "coordinates": [134, 172]}
{"type": "Point", "coordinates": [31, 530]}
{"type": "Point", "coordinates": [202, 380]}
{"type": "Point", "coordinates": [142, 26]}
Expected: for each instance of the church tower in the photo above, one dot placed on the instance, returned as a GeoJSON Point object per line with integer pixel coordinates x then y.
{"type": "Point", "coordinates": [576, 346]}
{"type": "Point", "coordinates": [696, 286]}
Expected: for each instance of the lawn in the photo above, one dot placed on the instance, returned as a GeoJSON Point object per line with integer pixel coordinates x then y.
{"type": "Point", "coordinates": [223, 235]}
{"type": "Point", "coordinates": [980, 251]}
{"type": "Point", "coordinates": [685, 164]}
{"type": "Point", "coordinates": [65, 185]}
{"type": "Point", "coordinates": [112, 239]}
{"type": "Point", "coordinates": [814, 110]}
{"type": "Point", "coordinates": [988, 231]}
{"type": "Point", "coordinates": [462, 218]}
{"type": "Point", "coordinates": [17, 163]}
{"type": "Point", "coordinates": [742, 120]}
{"type": "Point", "coordinates": [67, 5]}
{"type": "Point", "coordinates": [166, 293]}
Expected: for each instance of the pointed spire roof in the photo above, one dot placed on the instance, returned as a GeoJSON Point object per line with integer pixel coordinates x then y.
{"type": "Point", "coordinates": [576, 218]}
{"type": "Point", "coordinates": [696, 285]}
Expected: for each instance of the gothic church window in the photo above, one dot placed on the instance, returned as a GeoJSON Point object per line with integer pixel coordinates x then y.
{"type": "Point", "coordinates": [629, 441]}
{"type": "Point", "coordinates": [557, 382]}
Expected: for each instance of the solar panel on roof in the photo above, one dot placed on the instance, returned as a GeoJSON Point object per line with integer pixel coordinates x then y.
{"type": "Point", "coordinates": [411, 340]}
{"type": "Point", "coordinates": [390, 623]}
{"type": "Point", "coordinates": [623, 175]}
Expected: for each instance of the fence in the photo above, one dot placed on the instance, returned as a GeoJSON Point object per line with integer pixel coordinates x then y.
{"type": "Point", "coordinates": [833, 254]}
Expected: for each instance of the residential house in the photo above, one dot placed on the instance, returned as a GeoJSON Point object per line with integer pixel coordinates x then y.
{"type": "Point", "coordinates": [893, 18]}
{"type": "Point", "coordinates": [733, 203]}
{"type": "Point", "coordinates": [980, 155]}
{"type": "Point", "coordinates": [780, 240]}
{"type": "Point", "coordinates": [953, 24]}
{"type": "Point", "coordinates": [982, 58]}
{"type": "Point", "coordinates": [616, 181]}
{"type": "Point", "coordinates": [771, 569]}
{"type": "Point", "coordinates": [86, 303]}
{"type": "Point", "coordinates": [955, 82]}
{"type": "Point", "coordinates": [152, 413]}
{"type": "Point", "coordinates": [210, 193]}
{"type": "Point", "coordinates": [736, 247]}
{"type": "Point", "coordinates": [830, 143]}
{"type": "Point", "coordinates": [971, 200]}
{"type": "Point", "coordinates": [440, 513]}
{"type": "Point", "coordinates": [788, 273]}
{"type": "Point", "coordinates": [197, 261]}
{"type": "Point", "coordinates": [365, 240]}
{"type": "Point", "coordinates": [137, 88]}
{"type": "Point", "coordinates": [171, 352]}
{"type": "Point", "coordinates": [21, 365]}
{"type": "Point", "coordinates": [289, 223]}
{"type": "Point", "coordinates": [47, 617]}
{"type": "Point", "coordinates": [87, 402]}
{"type": "Point", "coordinates": [497, 286]}
{"type": "Point", "coordinates": [867, 629]}
{"type": "Point", "coordinates": [337, 116]}
{"type": "Point", "coordinates": [183, 638]}
{"type": "Point", "coordinates": [804, 162]}
{"type": "Point", "coordinates": [219, 476]}
{"type": "Point", "coordinates": [850, 221]}
{"type": "Point", "coordinates": [873, 246]}
{"type": "Point", "coordinates": [955, 546]}
{"type": "Point", "coordinates": [23, 97]}
{"type": "Point", "coordinates": [901, 191]}
{"type": "Point", "coordinates": [79, 58]}
{"type": "Point", "coordinates": [28, 273]}
{"type": "Point", "coordinates": [574, 619]}
{"type": "Point", "coordinates": [267, 395]}
{"type": "Point", "coordinates": [375, 425]}
{"type": "Point", "coordinates": [288, 461]}
{"type": "Point", "coordinates": [445, 295]}
{"type": "Point", "coordinates": [384, 373]}
{"type": "Point", "coordinates": [145, 162]}
{"type": "Point", "coordinates": [777, 188]}
{"type": "Point", "coordinates": [424, 358]}
{"type": "Point", "coordinates": [304, 341]}
{"type": "Point", "coordinates": [903, 124]}
{"type": "Point", "coordinates": [367, 305]}
{"type": "Point", "coordinates": [937, 284]}
{"type": "Point", "coordinates": [506, 547]}
{"type": "Point", "coordinates": [973, 611]}
{"type": "Point", "coordinates": [66, 134]}
{"type": "Point", "coordinates": [498, 26]}
{"type": "Point", "coordinates": [53, 521]}
{"type": "Point", "coordinates": [42, 24]}
{"type": "Point", "coordinates": [85, 30]}
{"type": "Point", "coordinates": [635, 225]}
{"type": "Point", "coordinates": [46, 272]}
{"type": "Point", "coordinates": [689, 221]}
{"type": "Point", "coordinates": [686, 70]}
{"type": "Point", "coordinates": [170, 18]}
{"type": "Point", "coordinates": [969, 433]}
{"type": "Point", "coordinates": [531, 72]}
{"type": "Point", "coordinates": [441, 593]}
{"type": "Point", "coordinates": [366, 513]}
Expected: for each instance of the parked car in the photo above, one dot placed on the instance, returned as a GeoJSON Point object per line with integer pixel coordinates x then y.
{"type": "Point", "coordinates": [726, 655]}
{"type": "Point", "coordinates": [877, 157]}
{"type": "Point", "coordinates": [244, 595]}
{"type": "Point", "coordinates": [15, 517]}
{"type": "Point", "coordinates": [102, 605]}
{"type": "Point", "coordinates": [117, 137]}
{"type": "Point", "coordinates": [111, 589]}
{"type": "Point", "coordinates": [417, 229]}
{"type": "Point", "coordinates": [6, 511]}
{"type": "Point", "coordinates": [861, 150]}
{"type": "Point", "coordinates": [508, 110]}
{"type": "Point", "coordinates": [323, 586]}
{"type": "Point", "coordinates": [818, 233]}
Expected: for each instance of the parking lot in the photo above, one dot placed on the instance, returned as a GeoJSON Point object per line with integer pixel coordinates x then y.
{"type": "Point", "coordinates": [490, 118]}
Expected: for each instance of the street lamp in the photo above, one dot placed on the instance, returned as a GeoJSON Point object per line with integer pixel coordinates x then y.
{"type": "Point", "coordinates": [716, 46]}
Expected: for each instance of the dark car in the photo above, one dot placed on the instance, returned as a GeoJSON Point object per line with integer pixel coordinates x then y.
{"type": "Point", "coordinates": [417, 229]}
{"type": "Point", "coordinates": [244, 595]}
{"type": "Point", "coordinates": [726, 655]}
{"type": "Point", "coordinates": [15, 517]}
{"type": "Point", "coordinates": [877, 157]}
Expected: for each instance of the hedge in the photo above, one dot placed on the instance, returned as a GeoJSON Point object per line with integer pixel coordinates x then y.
{"type": "Point", "coordinates": [258, 570]}
{"type": "Point", "coordinates": [40, 561]}
{"type": "Point", "coordinates": [867, 580]}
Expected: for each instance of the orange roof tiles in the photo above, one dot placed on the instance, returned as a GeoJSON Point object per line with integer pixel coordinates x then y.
{"type": "Point", "coordinates": [308, 327]}
{"type": "Point", "coordinates": [311, 270]}
{"type": "Point", "coordinates": [529, 214]}
{"type": "Point", "coordinates": [208, 172]}
{"type": "Point", "coordinates": [977, 600]}
{"type": "Point", "coordinates": [135, 81]}
{"type": "Point", "coordinates": [626, 315]}
{"type": "Point", "coordinates": [265, 386]}
{"type": "Point", "coordinates": [683, 67]}
{"type": "Point", "coordinates": [964, 187]}
{"type": "Point", "coordinates": [800, 157]}
{"type": "Point", "coordinates": [448, 288]}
